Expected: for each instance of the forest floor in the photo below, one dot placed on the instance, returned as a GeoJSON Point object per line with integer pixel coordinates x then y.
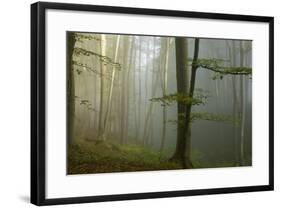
{"type": "Point", "coordinates": [101, 157]}
{"type": "Point", "coordinates": [87, 157]}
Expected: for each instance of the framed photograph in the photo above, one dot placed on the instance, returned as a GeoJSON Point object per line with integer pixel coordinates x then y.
{"type": "Point", "coordinates": [135, 103]}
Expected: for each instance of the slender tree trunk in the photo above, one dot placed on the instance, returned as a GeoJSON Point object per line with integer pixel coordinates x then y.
{"type": "Point", "coordinates": [188, 163]}
{"type": "Point", "coordinates": [109, 100]}
{"type": "Point", "coordinates": [140, 91]}
{"type": "Point", "coordinates": [123, 86]}
{"type": "Point", "coordinates": [147, 54]}
{"type": "Point", "coordinates": [127, 88]}
{"type": "Point", "coordinates": [102, 85]}
{"type": "Point", "coordinates": [243, 108]}
{"type": "Point", "coordinates": [235, 106]}
{"type": "Point", "coordinates": [164, 91]}
{"type": "Point", "coordinates": [87, 114]}
{"type": "Point", "coordinates": [154, 84]}
{"type": "Point", "coordinates": [124, 96]}
{"type": "Point", "coordinates": [94, 100]}
{"type": "Point", "coordinates": [119, 101]}
{"type": "Point", "coordinates": [70, 87]}
{"type": "Point", "coordinates": [131, 58]}
{"type": "Point", "coordinates": [148, 110]}
{"type": "Point", "coordinates": [135, 99]}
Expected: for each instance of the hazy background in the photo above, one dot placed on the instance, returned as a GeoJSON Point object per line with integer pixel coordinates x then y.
{"type": "Point", "coordinates": [141, 71]}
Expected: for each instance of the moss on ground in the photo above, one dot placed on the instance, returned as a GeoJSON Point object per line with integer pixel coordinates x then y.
{"type": "Point", "coordinates": [106, 157]}
{"type": "Point", "coordinates": [90, 157]}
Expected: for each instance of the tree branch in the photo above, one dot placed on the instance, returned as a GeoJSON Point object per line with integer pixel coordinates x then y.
{"type": "Point", "coordinates": [228, 70]}
{"type": "Point", "coordinates": [80, 51]}
{"type": "Point", "coordinates": [215, 66]}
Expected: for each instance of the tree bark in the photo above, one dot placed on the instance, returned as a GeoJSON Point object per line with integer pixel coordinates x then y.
{"type": "Point", "coordinates": [153, 93]}
{"type": "Point", "coordinates": [187, 156]}
{"type": "Point", "coordinates": [182, 88]}
{"type": "Point", "coordinates": [124, 96]}
{"type": "Point", "coordinates": [109, 100]}
{"type": "Point", "coordinates": [243, 107]}
{"type": "Point", "coordinates": [102, 71]}
{"type": "Point", "coordinates": [70, 87]}
{"type": "Point", "coordinates": [140, 92]}
{"type": "Point", "coordinates": [164, 91]}
{"type": "Point", "coordinates": [235, 106]}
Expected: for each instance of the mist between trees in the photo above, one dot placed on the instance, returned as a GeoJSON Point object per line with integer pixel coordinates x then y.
{"type": "Point", "coordinates": [138, 103]}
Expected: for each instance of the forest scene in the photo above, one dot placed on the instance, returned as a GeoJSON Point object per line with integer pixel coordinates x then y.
{"type": "Point", "coordinates": [145, 103]}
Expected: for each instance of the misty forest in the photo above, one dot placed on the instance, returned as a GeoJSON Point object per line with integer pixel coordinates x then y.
{"type": "Point", "coordinates": [143, 103]}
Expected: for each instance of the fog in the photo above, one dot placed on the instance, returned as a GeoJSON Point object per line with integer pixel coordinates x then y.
{"type": "Point", "coordinates": [123, 88]}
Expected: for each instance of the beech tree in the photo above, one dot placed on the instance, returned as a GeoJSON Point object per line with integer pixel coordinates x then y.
{"type": "Point", "coordinates": [153, 103]}
{"type": "Point", "coordinates": [70, 87]}
{"type": "Point", "coordinates": [185, 96]}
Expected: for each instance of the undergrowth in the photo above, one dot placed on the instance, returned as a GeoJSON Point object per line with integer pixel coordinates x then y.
{"type": "Point", "coordinates": [88, 157]}
{"type": "Point", "coordinates": [106, 157]}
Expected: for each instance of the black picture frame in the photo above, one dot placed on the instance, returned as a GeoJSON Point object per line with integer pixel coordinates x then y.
{"type": "Point", "coordinates": [38, 102]}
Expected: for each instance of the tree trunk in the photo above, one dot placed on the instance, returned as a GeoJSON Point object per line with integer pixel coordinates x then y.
{"type": "Point", "coordinates": [243, 107]}
{"type": "Point", "coordinates": [187, 155]}
{"type": "Point", "coordinates": [154, 83]}
{"type": "Point", "coordinates": [140, 92]}
{"type": "Point", "coordinates": [153, 92]}
{"type": "Point", "coordinates": [109, 100]}
{"type": "Point", "coordinates": [135, 99]}
{"type": "Point", "coordinates": [124, 96]}
{"type": "Point", "coordinates": [182, 88]}
{"type": "Point", "coordinates": [70, 87]}
{"type": "Point", "coordinates": [235, 106]}
{"type": "Point", "coordinates": [102, 72]}
{"type": "Point", "coordinates": [164, 91]}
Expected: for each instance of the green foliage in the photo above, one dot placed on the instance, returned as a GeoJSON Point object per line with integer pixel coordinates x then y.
{"type": "Point", "coordinates": [101, 157]}
{"type": "Point", "coordinates": [85, 102]}
{"type": "Point", "coordinates": [79, 37]}
{"type": "Point", "coordinates": [203, 116]}
{"type": "Point", "coordinates": [202, 160]}
{"type": "Point", "coordinates": [210, 117]}
{"type": "Point", "coordinates": [234, 120]}
{"type": "Point", "coordinates": [198, 159]}
{"type": "Point", "coordinates": [217, 76]}
{"type": "Point", "coordinates": [79, 71]}
{"type": "Point", "coordinates": [105, 59]}
{"type": "Point", "coordinates": [237, 119]}
{"type": "Point", "coordinates": [211, 62]}
{"type": "Point", "coordinates": [199, 98]}
{"type": "Point", "coordinates": [81, 67]}
{"type": "Point", "coordinates": [216, 65]}
{"type": "Point", "coordinates": [97, 156]}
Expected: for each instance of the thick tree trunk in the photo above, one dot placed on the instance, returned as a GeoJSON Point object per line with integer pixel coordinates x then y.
{"type": "Point", "coordinates": [182, 88]}
{"type": "Point", "coordinates": [70, 87]}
